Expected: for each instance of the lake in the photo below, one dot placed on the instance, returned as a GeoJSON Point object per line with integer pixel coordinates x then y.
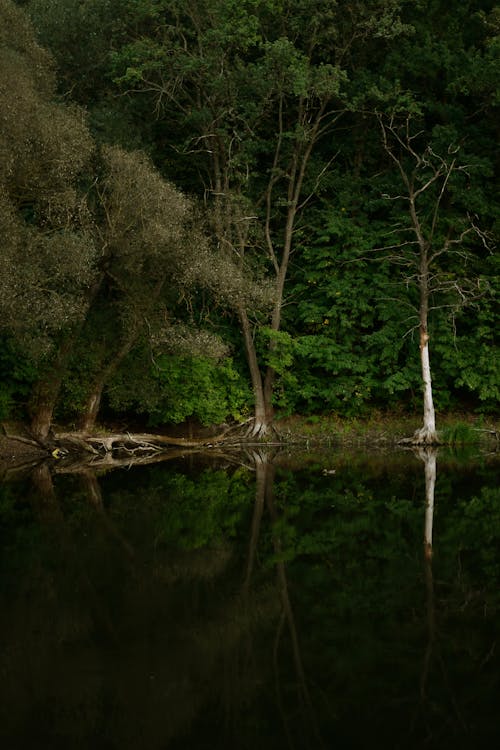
{"type": "Point", "coordinates": [314, 600]}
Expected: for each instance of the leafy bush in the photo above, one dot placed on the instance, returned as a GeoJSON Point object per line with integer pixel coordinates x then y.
{"type": "Point", "coordinates": [180, 387]}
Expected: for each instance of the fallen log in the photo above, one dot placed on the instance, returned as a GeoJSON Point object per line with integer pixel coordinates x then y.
{"type": "Point", "coordinates": [129, 443]}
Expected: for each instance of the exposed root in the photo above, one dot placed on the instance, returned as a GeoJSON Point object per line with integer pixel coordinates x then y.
{"type": "Point", "coordinates": [425, 436]}
{"type": "Point", "coordinates": [257, 429]}
{"type": "Point", "coordinates": [422, 437]}
{"type": "Point", "coordinates": [260, 430]}
{"type": "Point", "coordinates": [26, 439]}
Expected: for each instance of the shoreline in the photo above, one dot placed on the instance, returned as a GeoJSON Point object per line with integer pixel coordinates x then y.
{"type": "Point", "coordinates": [376, 430]}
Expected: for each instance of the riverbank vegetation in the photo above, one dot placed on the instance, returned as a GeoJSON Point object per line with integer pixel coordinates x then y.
{"type": "Point", "coordinates": [222, 211]}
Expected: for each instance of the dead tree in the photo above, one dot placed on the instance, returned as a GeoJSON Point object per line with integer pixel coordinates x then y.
{"type": "Point", "coordinates": [426, 240]}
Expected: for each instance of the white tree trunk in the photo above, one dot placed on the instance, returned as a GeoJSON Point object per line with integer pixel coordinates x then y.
{"type": "Point", "coordinates": [427, 434]}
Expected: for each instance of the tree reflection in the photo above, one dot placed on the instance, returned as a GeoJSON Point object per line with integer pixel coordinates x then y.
{"type": "Point", "coordinates": [92, 490]}
{"type": "Point", "coordinates": [251, 601]}
{"type": "Point", "coordinates": [429, 456]}
{"type": "Point", "coordinates": [433, 653]}
{"type": "Point", "coordinates": [264, 478]}
{"type": "Point", "coordinates": [265, 471]}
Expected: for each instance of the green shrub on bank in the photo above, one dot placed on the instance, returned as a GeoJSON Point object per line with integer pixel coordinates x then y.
{"type": "Point", "coordinates": [459, 433]}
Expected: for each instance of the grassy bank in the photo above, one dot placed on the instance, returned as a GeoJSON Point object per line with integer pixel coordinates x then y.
{"type": "Point", "coordinates": [388, 429]}
{"type": "Point", "coordinates": [378, 430]}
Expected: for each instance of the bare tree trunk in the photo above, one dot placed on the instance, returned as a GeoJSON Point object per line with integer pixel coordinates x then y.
{"type": "Point", "coordinates": [282, 270]}
{"type": "Point", "coordinates": [427, 434]}
{"type": "Point", "coordinates": [262, 417]}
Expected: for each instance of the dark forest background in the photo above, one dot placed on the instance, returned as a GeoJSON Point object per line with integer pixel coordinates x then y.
{"type": "Point", "coordinates": [217, 208]}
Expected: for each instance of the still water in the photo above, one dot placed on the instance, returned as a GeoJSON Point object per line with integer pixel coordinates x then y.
{"type": "Point", "coordinates": [295, 601]}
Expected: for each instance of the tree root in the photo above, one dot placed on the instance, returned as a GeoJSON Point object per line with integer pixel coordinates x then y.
{"type": "Point", "coordinates": [422, 437]}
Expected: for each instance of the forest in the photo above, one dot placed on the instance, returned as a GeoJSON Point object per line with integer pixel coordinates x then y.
{"type": "Point", "coordinates": [236, 210]}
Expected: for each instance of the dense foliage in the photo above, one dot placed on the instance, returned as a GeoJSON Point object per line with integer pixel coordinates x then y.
{"type": "Point", "coordinates": [209, 205]}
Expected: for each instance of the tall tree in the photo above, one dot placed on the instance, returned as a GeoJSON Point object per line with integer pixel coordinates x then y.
{"type": "Point", "coordinates": [82, 224]}
{"type": "Point", "coordinates": [154, 250]}
{"type": "Point", "coordinates": [432, 246]}
{"type": "Point", "coordinates": [250, 89]}
{"type": "Point", "coordinates": [48, 253]}
{"type": "Point", "coordinates": [437, 112]}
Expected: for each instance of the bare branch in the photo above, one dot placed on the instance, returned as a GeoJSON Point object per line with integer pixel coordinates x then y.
{"type": "Point", "coordinates": [317, 182]}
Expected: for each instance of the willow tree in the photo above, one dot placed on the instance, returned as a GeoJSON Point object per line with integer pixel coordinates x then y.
{"type": "Point", "coordinates": [140, 227]}
{"type": "Point", "coordinates": [79, 223]}
{"type": "Point", "coordinates": [48, 253]}
{"type": "Point", "coordinates": [153, 251]}
{"type": "Point", "coordinates": [246, 91]}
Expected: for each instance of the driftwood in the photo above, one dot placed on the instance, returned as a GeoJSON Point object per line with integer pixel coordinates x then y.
{"type": "Point", "coordinates": [132, 442]}
{"type": "Point", "coordinates": [127, 446]}
{"type": "Point", "coordinates": [74, 452]}
{"type": "Point", "coordinates": [493, 433]}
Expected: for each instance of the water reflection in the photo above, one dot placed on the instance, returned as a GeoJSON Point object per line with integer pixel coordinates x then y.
{"type": "Point", "coordinates": [264, 496]}
{"type": "Point", "coordinates": [447, 715]}
{"type": "Point", "coordinates": [429, 456]}
{"type": "Point", "coordinates": [267, 601]}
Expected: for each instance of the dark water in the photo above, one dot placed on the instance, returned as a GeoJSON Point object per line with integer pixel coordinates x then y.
{"type": "Point", "coordinates": [276, 604]}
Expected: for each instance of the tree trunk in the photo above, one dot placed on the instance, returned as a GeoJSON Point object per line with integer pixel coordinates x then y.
{"type": "Point", "coordinates": [270, 376]}
{"type": "Point", "coordinates": [46, 395]}
{"type": "Point", "coordinates": [268, 393]}
{"type": "Point", "coordinates": [427, 434]}
{"type": "Point", "coordinates": [48, 388]}
{"type": "Point", "coordinates": [42, 420]}
{"type": "Point", "coordinates": [262, 417]}
{"type": "Point", "coordinates": [89, 416]}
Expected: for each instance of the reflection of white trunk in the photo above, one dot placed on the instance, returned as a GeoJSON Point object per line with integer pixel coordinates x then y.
{"type": "Point", "coordinates": [429, 457]}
